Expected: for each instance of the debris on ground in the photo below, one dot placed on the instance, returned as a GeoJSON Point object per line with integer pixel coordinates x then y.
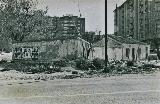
{"type": "Point", "coordinates": [22, 71]}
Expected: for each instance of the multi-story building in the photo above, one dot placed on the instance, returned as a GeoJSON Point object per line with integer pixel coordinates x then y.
{"type": "Point", "coordinates": [131, 19]}
{"type": "Point", "coordinates": [72, 25]}
{"type": "Point", "coordinates": [156, 17]}
{"type": "Point", "coordinates": [58, 27]}
{"type": "Point", "coordinates": [138, 19]}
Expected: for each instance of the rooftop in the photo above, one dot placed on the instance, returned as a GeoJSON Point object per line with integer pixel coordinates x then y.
{"type": "Point", "coordinates": [126, 40]}
{"type": "Point", "coordinates": [118, 40]}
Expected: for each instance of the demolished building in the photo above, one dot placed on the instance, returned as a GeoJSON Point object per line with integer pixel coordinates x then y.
{"type": "Point", "coordinates": [50, 50]}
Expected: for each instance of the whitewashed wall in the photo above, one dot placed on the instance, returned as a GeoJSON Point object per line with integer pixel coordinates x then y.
{"type": "Point", "coordinates": [135, 46]}
{"type": "Point", "coordinates": [113, 53]}
{"type": "Point", "coordinates": [119, 53]}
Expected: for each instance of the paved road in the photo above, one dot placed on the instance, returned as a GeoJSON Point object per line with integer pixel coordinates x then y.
{"type": "Point", "coordinates": [114, 90]}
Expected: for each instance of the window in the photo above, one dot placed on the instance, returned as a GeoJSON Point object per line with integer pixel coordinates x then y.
{"type": "Point", "coordinates": [146, 52]}
{"type": "Point", "coordinates": [127, 52]}
{"type": "Point", "coordinates": [27, 54]}
{"type": "Point", "coordinates": [133, 53]}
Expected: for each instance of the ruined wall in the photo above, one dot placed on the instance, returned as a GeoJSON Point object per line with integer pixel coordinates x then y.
{"type": "Point", "coordinates": [50, 50]}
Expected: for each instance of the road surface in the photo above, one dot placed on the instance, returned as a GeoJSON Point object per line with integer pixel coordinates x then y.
{"type": "Point", "coordinates": [137, 89]}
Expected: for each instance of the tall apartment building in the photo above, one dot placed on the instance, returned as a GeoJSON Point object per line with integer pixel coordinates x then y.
{"type": "Point", "coordinates": [57, 27]}
{"type": "Point", "coordinates": [156, 17]}
{"type": "Point", "coordinates": [72, 25]}
{"type": "Point", "coordinates": [138, 19]}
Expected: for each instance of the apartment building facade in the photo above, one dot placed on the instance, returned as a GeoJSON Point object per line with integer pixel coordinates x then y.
{"type": "Point", "coordinates": [72, 25]}
{"type": "Point", "coordinates": [58, 27]}
{"type": "Point", "coordinates": [138, 19]}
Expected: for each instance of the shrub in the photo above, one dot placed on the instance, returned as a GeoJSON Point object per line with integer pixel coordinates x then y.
{"type": "Point", "coordinates": [3, 61]}
{"type": "Point", "coordinates": [18, 66]}
{"type": "Point", "coordinates": [74, 72]}
{"type": "Point", "coordinates": [106, 70]}
{"type": "Point", "coordinates": [99, 63]}
{"type": "Point", "coordinates": [83, 64]}
{"type": "Point", "coordinates": [148, 68]}
{"type": "Point", "coordinates": [130, 63]}
{"type": "Point", "coordinates": [70, 57]}
{"type": "Point", "coordinates": [72, 63]}
{"type": "Point", "coordinates": [61, 63]}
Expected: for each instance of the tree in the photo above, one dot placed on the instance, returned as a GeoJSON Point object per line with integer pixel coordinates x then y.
{"type": "Point", "coordinates": [20, 20]}
{"type": "Point", "coordinates": [14, 19]}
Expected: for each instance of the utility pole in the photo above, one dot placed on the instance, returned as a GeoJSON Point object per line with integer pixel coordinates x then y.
{"type": "Point", "coordinates": [106, 37]}
{"type": "Point", "coordinates": [116, 27]}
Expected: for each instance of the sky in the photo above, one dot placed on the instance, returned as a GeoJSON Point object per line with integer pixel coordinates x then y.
{"type": "Point", "coordinates": [111, 5]}
{"type": "Point", "coordinates": [92, 10]}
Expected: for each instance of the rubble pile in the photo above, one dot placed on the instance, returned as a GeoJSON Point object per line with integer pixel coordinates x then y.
{"type": "Point", "coordinates": [80, 68]}
{"type": "Point", "coordinates": [115, 68]}
{"type": "Point", "coordinates": [131, 67]}
{"type": "Point", "coordinates": [16, 75]}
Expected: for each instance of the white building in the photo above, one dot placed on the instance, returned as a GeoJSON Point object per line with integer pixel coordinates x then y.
{"type": "Point", "coordinates": [121, 49]}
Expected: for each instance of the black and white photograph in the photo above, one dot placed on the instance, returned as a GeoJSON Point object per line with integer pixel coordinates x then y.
{"type": "Point", "coordinates": [79, 51]}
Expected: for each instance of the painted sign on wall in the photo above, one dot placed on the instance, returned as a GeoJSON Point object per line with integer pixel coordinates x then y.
{"type": "Point", "coordinates": [26, 53]}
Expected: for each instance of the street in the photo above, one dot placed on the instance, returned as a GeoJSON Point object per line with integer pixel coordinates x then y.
{"type": "Point", "coordinates": [136, 89]}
